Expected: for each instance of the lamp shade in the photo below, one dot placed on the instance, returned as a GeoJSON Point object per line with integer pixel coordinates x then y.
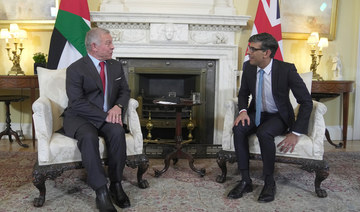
{"type": "Point", "coordinates": [313, 39]}
{"type": "Point", "coordinates": [323, 43]}
{"type": "Point", "coordinates": [14, 28]}
{"type": "Point", "coordinates": [5, 34]}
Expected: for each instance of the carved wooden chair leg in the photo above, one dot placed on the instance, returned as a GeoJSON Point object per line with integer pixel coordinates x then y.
{"type": "Point", "coordinates": [39, 182]}
{"type": "Point", "coordinates": [42, 173]}
{"type": "Point", "coordinates": [221, 161]}
{"type": "Point", "coordinates": [321, 169]}
{"type": "Point", "coordinates": [142, 183]}
{"type": "Point", "coordinates": [222, 158]}
{"type": "Point", "coordinates": [142, 163]}
{"type": "Point", "coordinates": [321, 174]}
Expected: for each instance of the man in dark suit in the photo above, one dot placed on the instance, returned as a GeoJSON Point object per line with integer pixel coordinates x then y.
{"type": "Point", "coordinates": [98, 94]}
{"type": "Point", "coordinates": [269, 113]}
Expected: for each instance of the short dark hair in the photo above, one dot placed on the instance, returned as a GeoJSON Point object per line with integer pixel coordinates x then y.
{"type": "Point", "coordinates": [267, 42]}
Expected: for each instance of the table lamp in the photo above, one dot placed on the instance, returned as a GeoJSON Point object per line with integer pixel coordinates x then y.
{"type": "Point", "coordinates": [314, 42]}
{"type": "Point", "coordinates": [15, 35]}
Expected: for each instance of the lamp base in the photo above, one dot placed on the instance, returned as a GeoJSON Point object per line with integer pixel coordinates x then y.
{"type": "Point", "coordinates": [16, 70]}
{"type": "Point", "coordinates": [317, 77]}
{"type": "Point", "coordinates": [16, 73]}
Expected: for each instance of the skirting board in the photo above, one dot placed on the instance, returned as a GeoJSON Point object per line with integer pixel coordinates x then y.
{"type": "Point", "coordinates": [26, 128]}
{"type": "Point", "coordinates": [335, 131]}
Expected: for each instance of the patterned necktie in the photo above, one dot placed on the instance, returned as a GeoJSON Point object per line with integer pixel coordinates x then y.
{"type": "Point", "coordinates": [259, 98]}
{"type": "Point", "coordinates": [102, 74]}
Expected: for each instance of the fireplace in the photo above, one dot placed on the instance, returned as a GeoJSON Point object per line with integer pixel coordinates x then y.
{"type": "Point", "coordinates": [171, 36]}
{"type": "Point", "coordinates": [154, 78]}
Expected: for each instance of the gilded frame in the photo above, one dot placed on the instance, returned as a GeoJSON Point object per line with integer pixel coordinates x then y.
{"type": "Point", "coordinates": [27, 21]}
{"type": "Point", "coordinates": [325, 23]}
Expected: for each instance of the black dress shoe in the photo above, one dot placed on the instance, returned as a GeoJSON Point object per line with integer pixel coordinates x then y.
{"type": "Point", "coordinates": [240, 189]}
{"type": "Point", "coordinates": [103, 200]}
{"type": "Point", "coordinates": [119, 196]}
{"type": "Point", "coordinates": [267, 193]}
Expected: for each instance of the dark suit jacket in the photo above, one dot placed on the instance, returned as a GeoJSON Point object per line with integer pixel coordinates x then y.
{"type": "Point", "coordinates": [85, 92]}
{"type": "Point", "coordinates": [284, 77]}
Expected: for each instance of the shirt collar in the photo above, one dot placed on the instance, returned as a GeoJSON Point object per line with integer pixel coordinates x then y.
{"type": "Point", "coordinates": [267, 69]}
{"type": "Point", "coordinates": [94, 60]}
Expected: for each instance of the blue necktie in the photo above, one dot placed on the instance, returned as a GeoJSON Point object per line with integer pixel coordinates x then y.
{"type": "Point", "coordinates": [259, 98]}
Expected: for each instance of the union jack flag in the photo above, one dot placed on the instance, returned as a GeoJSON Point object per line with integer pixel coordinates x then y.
{"type": "Point", "coordinates": [267, 19]}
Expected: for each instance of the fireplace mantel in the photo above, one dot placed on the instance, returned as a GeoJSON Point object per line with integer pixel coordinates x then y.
{"type": "Point", "coordinates": [232, 21]}
{"type": "Point", "coordinates": [181, 36]}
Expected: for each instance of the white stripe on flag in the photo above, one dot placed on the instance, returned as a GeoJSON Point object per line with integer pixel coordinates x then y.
{"type": "Point", "coordinates": [68, 56]}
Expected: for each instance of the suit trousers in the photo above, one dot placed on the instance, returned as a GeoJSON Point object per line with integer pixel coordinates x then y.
{"type": "Point", "coordinates": [271, 125]}
{"type": "Point", "coordinates": [88, 144]}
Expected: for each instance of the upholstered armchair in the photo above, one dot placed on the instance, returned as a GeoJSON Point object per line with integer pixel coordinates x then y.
{"type": "Point", "coordinates": [58, 153]}
{"type": "Point", "coordinates": [308, 152]}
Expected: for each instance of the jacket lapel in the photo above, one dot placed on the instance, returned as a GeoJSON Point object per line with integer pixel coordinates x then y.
{"type": "Point", "coordinates": [93, 72]}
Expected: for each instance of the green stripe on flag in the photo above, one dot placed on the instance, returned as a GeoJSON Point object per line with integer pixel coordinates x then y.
{"type": "Point", "coordinates": [73, 28]}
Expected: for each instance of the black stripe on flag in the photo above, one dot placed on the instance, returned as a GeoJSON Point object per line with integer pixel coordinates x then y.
{"type": "Point", "coordinates": [57, 44]}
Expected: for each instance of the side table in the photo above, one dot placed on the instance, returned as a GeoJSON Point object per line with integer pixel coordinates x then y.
{"type": "Point", "coordinates": [8, 131]}
{"type": "Point", "coordinates": [178, 153]}
{"type": "Point", "coordinates": [333, 88]}
{"type": "Point", "coordinates": [28, 82]}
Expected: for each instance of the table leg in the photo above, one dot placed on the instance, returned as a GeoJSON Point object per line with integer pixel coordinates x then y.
{"type": "Point", "coordinates": [178, 153]}
{"type": "Point", "coordinates": [327, 135]}
{"type": "Point", "coordinates": [345, 116]}
{"type": "Point", "coordinates": [8, 131]}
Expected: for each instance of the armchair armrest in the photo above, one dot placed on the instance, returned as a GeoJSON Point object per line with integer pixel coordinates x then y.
{"type": "Point", "coordinates": [231, 112]}
{"type": "Point", "coordinates": [43, 122]}
{"type": "Point", "coordinates": [316, 130]}
{"type": "Point", "coordinates": [133, 122]}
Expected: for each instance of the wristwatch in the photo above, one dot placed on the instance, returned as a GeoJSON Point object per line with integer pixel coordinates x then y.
{"type": "Point", "coordinates": [120, 106]}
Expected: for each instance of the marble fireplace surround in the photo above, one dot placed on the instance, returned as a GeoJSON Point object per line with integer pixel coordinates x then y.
{"type": "Point", "coordinates": [180, 36]}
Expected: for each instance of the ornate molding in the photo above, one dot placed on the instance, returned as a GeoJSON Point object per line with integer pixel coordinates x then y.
{"type": "Point", "coordinates": [120, 25]}
{"type": "Point", "coordinates": [216, 22]}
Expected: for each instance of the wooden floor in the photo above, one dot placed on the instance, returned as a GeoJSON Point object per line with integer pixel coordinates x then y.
{"type": "Point", "coordinates": [5, 145]}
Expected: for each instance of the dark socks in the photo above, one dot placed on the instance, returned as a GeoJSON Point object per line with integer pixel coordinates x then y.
{"type": "Point", "coordinates": [245, 175]}
{"type": "Point", "coordinates": [269, 179]}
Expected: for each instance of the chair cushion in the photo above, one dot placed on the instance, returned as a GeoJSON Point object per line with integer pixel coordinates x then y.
{"type": "Point", "coordinates": [52, 86]}
{"type": "Point", "coordinates": [304, 148]}
{"type": "Point", "coordinates": [64, 149]}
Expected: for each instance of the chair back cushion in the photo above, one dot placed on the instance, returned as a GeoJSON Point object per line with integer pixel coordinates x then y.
{"type": "Point", "coordinates": [52, 86]}
{"type": "Point", "coordinates": [307, 78]}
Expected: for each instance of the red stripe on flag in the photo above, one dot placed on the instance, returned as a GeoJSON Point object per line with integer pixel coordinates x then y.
{"type": "Point", "coordinates": [268, 2]}
{"type": "Point", "coordinates": [77, 7]}
{"type": "Point", "coordinates": [262, 24]}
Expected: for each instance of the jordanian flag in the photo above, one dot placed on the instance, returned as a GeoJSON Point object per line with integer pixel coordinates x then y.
{"type": "Point", "coordinates": [68, 38]}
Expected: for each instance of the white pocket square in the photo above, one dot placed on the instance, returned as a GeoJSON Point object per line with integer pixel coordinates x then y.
{"type": "Point", "coordinates": [118, 79]}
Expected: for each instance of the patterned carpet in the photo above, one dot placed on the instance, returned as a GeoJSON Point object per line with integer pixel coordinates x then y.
{"type": "Point", "coordinates": [180, 189]}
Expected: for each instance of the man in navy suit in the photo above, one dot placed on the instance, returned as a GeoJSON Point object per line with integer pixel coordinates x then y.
{"type": "Point", "coordinates": [269, 113]}
{"type": "Point", "coordinates": [95, 108]}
